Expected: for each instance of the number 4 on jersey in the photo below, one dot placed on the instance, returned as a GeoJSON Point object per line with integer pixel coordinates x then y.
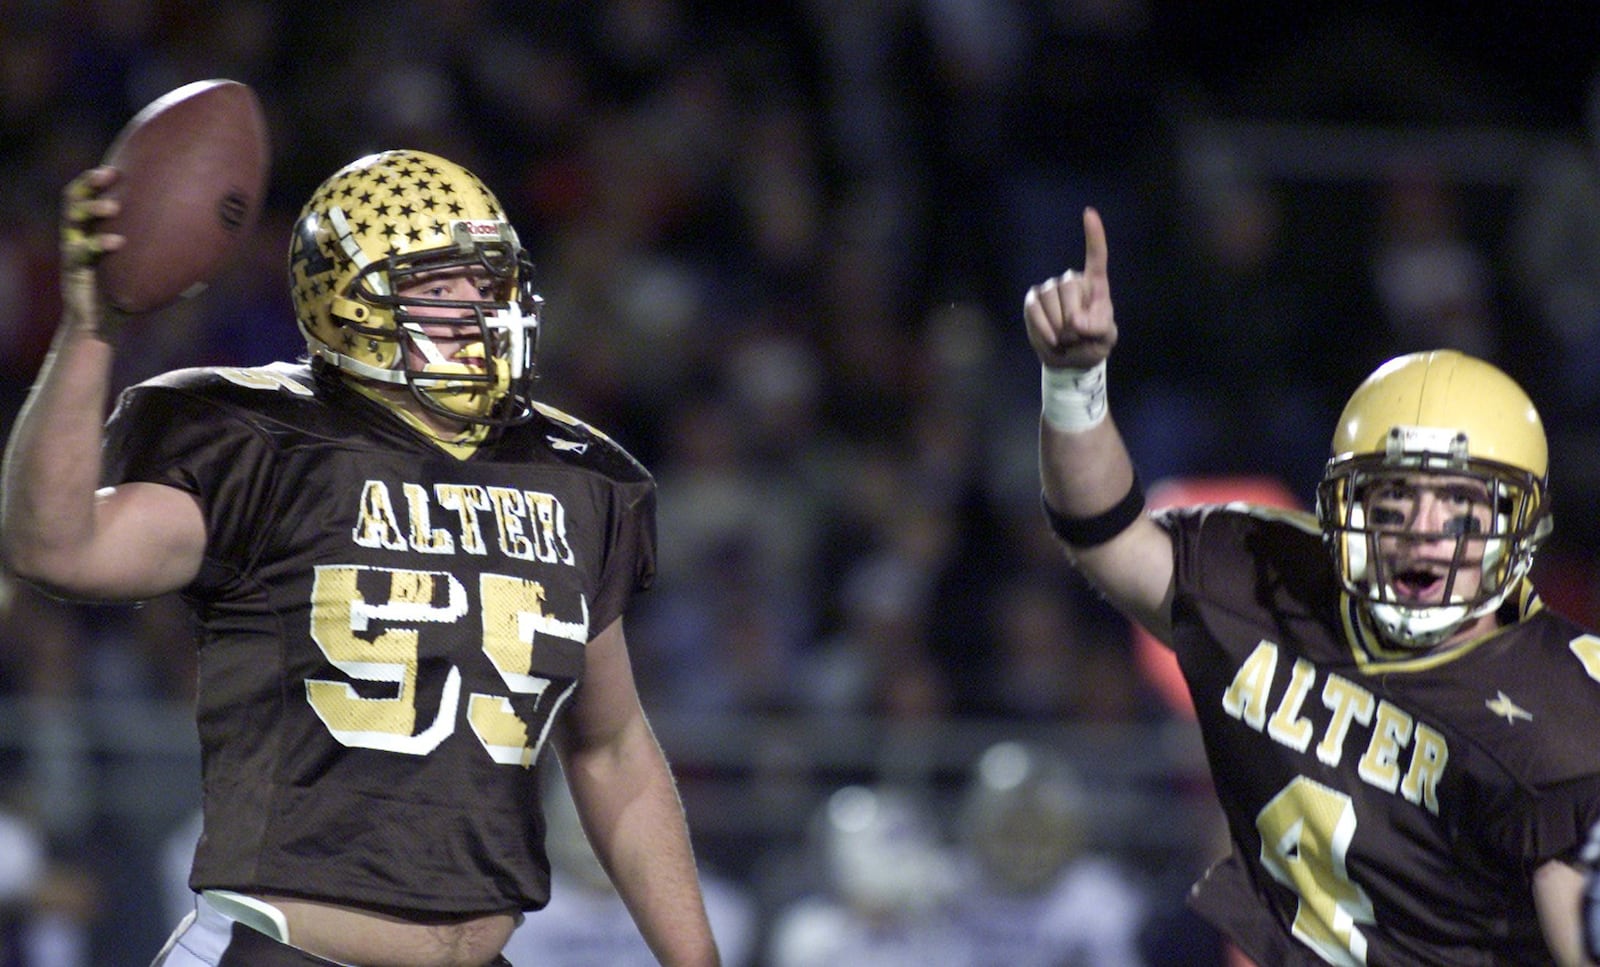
{"type": "Point", "coordinates": [1305, 834]}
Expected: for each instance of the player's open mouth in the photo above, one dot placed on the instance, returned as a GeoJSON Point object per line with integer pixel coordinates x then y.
{"type": "Point", "coordinates": [1419, 583]}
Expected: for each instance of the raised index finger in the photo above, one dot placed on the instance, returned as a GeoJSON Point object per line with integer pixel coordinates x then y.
{"type": "Point", "coordinates": [1094, 243]}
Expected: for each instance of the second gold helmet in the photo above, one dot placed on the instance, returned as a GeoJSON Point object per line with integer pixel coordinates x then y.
{"type": "Point", "coordinates": [1436, 413]}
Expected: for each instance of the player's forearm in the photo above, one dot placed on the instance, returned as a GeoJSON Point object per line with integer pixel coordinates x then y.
{"type": "Point", "coordinates": [665, 899]}
{"type": "Point", "coordinates": [1083, 473]}
{"type": "Point", "coordinates": [1558, 897]}
{"type": "Point", "coordinates": [1092, 491]}
{"type": "Point", "coordinates": [641, 837]}
{"type": "Point", "coordinates": [52, 461]}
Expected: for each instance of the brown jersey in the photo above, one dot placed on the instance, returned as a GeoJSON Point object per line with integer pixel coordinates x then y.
{"type": "Point", "coordinates": [386, 632]}
{"type": "Point", "coordinates": [1385, 807]}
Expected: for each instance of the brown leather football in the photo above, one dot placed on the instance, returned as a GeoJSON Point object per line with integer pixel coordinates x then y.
{"type": "Point", "coordinates": [194, 166]}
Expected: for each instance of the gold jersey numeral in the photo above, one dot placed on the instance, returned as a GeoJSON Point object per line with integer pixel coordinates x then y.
{"type": "Point", "coordinates": [407, 603]}
{"type": "Point", "coordinates": [1305, 835]}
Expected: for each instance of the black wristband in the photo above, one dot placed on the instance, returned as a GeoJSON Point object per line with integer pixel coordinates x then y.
{"type": "Point", "coordinates": [1084, 532]}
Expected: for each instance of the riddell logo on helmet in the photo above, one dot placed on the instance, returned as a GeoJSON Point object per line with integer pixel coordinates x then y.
{"type": "Point", "coordinates": [480, 229]}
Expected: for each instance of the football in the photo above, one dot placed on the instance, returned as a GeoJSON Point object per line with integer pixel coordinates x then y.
{"type": "Point", "coordinates": [194, 165]}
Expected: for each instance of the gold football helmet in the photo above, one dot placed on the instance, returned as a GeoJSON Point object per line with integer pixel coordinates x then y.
{"type": "Point", "coordinates": [1024, 816]}
{"type": "Point", "coordinates": [382, 221]}
{"type": "Point", "coordinates": [1418, 419]}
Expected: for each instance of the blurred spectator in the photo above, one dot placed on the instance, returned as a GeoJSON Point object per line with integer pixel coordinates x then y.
{"type": "Point", "coordinates": [1034, 892]}
{"type": "Point", "coordinates": [876, 660]}
{"type": "Point", "coordinates": [735, 606]}
{"type": "Point", "coordinates": [1235, 314]}
{"type": "Point", "coordinates": [881, 893]}
{"type": "Point", "coordinates": [46, 908]}
{"type": "Point", "coordinates": [1552, 249]}
{"type": "Point", "coordinates": [1553, 246]}
{"type": "Point", "coordinates": [1049, 663]}
{"type": "Point", "coordinates": [41, 665]}
{"type": "Point", "coordinates": [22, 865]}
{"type": "Point", "coordinates": [1433, 284]}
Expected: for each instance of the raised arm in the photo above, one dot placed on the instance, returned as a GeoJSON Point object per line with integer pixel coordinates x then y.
{"type": "Point", "coordinates": [1091, 491]}
{"type": "Point", "coordinates": [56, 528]}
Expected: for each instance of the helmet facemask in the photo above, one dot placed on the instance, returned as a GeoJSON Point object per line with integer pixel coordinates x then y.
{"type": "Point", "coordinates": [1368, 504]}
{"type": "Point", "coordinates": [500, 336]}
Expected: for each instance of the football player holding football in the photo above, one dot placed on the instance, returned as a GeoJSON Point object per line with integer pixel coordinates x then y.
{"type": "Point", "coordinates": [1400, 734]}
{"type": "Point", "coordinates": [408, 576]}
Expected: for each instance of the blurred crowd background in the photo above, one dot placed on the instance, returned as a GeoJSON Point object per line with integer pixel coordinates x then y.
{"type": "Point", "coordinates": [783, 247]}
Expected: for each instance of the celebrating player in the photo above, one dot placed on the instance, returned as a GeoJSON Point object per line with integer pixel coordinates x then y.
{"type": "Point", "coordinates": [407, 573]}
{"type": "Point", "coordinates": [1399, 733]}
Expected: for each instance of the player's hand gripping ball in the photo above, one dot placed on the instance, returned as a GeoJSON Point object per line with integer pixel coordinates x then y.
{"type": "Point", "coordinates": [194, 166]}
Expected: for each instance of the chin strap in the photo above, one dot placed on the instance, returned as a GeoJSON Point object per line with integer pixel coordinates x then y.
{"type": "Point", "coordinates": [1417, 628]}
{"type": "Point", "coordinates": [460, 445]}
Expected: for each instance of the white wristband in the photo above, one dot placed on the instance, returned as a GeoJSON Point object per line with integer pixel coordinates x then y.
{"type": "Point", "coordinates": [1074, 399]}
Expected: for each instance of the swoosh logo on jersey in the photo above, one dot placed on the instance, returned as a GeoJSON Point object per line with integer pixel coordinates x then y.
{"type": "Point", "coordinates": [1505, 708]}
{"type": "Point", "coordinates": [572, 446]}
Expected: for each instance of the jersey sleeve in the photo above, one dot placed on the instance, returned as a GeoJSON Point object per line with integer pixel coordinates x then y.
{"type": "Point", "coordinates": [630, 565]}
{"type": "Point", "coordinates": [1558, 823]}
{"type": "Point", "coordinates": [1198, 560]}
{"type": "Point", "coordinates": [165, 435]}
{"type": "Point", "coordinates": [1557, 772]}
